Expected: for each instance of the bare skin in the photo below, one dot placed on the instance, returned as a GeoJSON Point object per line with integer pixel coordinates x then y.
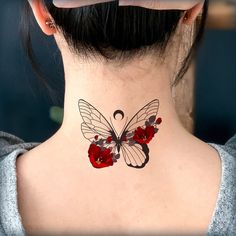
{"type": "Point", "coordinates": [59, 192]}
{"type": "Point", "coordinates": [58, 189]}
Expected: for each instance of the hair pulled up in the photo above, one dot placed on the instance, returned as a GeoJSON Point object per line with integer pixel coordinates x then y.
{"type": "Point", "coordinates": [113, 32]}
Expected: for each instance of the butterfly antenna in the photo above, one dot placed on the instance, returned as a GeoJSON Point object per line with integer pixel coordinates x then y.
{"type": "Point", "coordinates": [124, 127]}
{"type": "Point", "coordinates": [113, 127]}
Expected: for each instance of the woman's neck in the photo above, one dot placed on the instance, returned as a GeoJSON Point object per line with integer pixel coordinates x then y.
{"type": "Point", "coordinates": [109, 88]}
{"type": "Point", "coordinates": [126, 88]}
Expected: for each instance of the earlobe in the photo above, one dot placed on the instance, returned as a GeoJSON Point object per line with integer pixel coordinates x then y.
{"type": "Point", "coordinates": [191, 14]}
{"type": "Point", "coordinates": [42, 16]}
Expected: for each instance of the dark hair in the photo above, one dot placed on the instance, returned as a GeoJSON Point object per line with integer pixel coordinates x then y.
{"type": "Point", "coordinates": [115, 33]}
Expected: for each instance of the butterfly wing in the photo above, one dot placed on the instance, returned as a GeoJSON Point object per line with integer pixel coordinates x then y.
{"type": "Point", "coordinates": [143, 115]}
{"type": "Point", "coordinates": [94, 123]}
{"type": "Point", "coordinates": [137, 154]}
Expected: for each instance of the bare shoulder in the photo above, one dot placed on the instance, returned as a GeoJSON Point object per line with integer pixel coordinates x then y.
{"type": "Point", "coordinates": [44, 184]}
{"type": "Point", "coordinates": [26, 194]}
{"type": "Point", "coordinates": [33, 174]}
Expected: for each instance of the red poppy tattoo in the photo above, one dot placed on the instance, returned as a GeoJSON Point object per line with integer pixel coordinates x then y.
{"type": "Point", "coordinates": [144, 135]}
{"type": "Point", "coordinates": [106, 144]}
{"type": "Point", "coordinates": [100, 157]}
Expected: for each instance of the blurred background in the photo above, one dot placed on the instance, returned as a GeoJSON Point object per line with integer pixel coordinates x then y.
{"type": "Point", "coordinates": [29, 112]}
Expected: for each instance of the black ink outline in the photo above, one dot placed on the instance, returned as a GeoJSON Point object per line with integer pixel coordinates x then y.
{"type": "Point", "coordinates": [118, 112]}
{"type": "Point", "coordinates": [149, 110]}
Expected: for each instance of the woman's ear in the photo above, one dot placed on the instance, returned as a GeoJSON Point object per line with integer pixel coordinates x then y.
{"type": "Point", "coordinates": [191, 14]}
{"type": "Point", "coordinates": [42, 16]}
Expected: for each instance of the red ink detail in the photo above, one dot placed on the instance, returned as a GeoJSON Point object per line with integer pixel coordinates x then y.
{"type": "Point", "coordinates": [159, 120]}
{"type": "Point", "coordinates": [144, 136]}
{"type": "Point", "coordinates": [100, 158]}
{"type": "Point", "coordinates": [124, 138]}
{"type": "Point", "coordinates": [109, 139]}
{"type": "Point", "coordinates": [96, 137]}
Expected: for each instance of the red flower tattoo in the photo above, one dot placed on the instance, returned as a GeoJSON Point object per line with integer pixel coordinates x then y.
{"type": "Point", "coordinates": [100, 158]}
{"type": "Point", "coordinates": [159, 120]}
{"type": "Point", "coordinates": [144, 136]}
{"type": "Point", "coordinates": [109, 139]}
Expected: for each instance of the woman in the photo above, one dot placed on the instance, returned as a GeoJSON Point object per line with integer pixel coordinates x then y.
{"type": "Point", "coordinates": [121, 162]}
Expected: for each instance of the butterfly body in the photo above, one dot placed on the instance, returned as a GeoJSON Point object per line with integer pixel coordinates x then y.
{"type": "Point", "coordinates": [106, 144]}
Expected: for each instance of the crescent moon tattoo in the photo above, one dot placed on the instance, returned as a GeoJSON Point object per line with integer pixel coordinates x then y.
{"type": "Point", "coordinates": [118, 112]}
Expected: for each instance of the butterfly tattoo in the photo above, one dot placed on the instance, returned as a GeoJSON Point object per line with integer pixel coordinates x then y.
{"type": "Point", "coordinates": [132, 141]}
